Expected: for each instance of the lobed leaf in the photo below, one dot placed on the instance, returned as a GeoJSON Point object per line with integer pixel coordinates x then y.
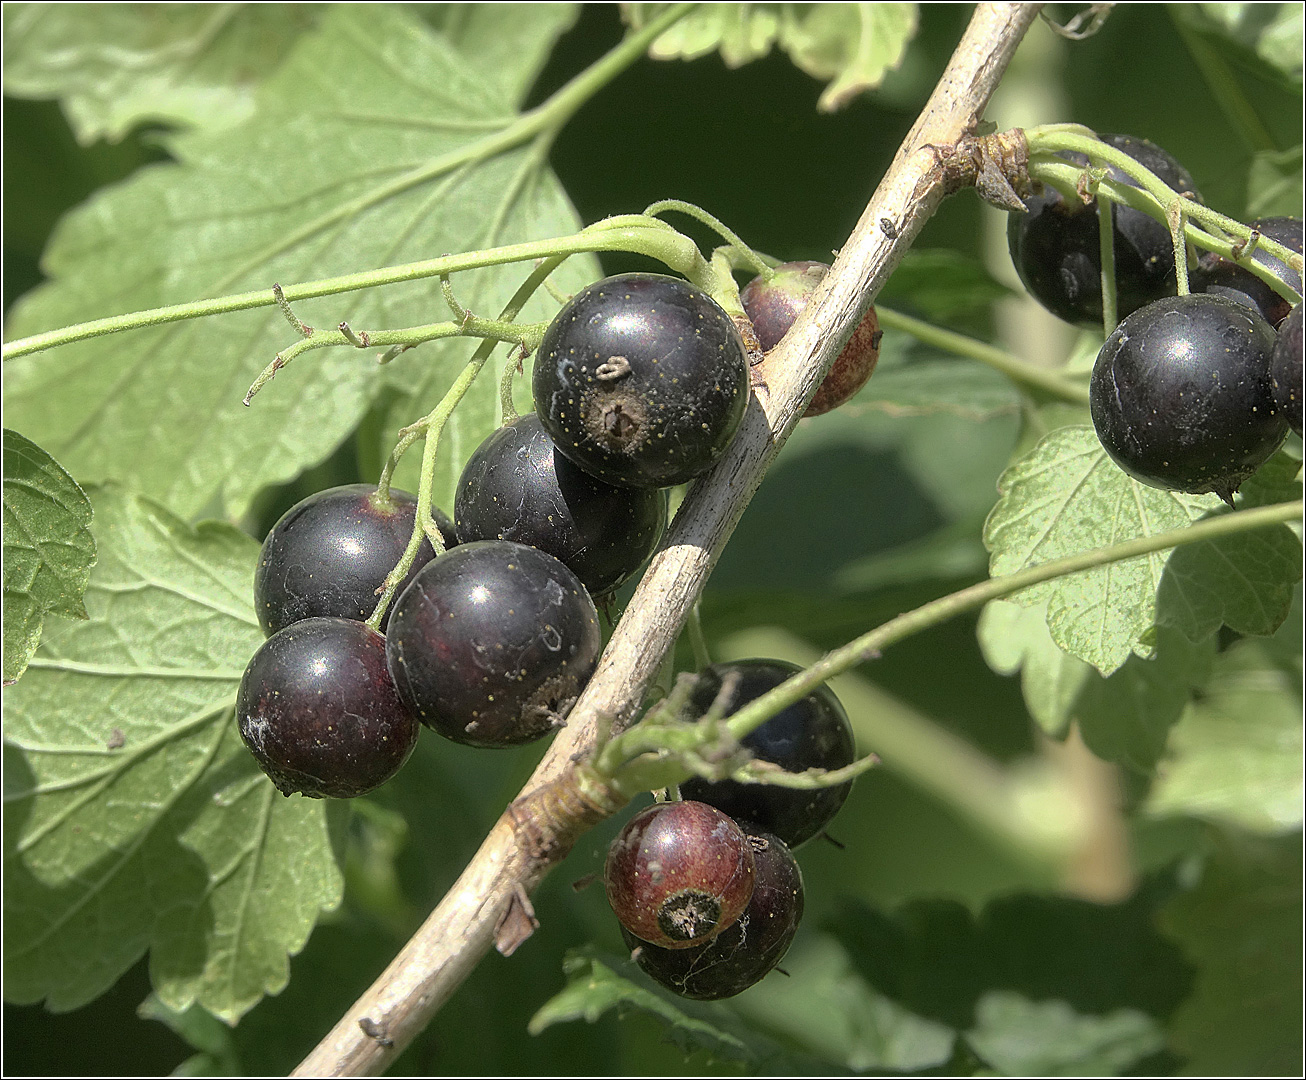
{"type": "Point", "coordinates": [135, 818]}
{"type": "Point", "coordinates": [48, 548]}
{"type": "Point", "coordinates": [374, 143]}
{"type": "Point", "coordinates": [1235, 757]}
{"type": "Point", "coordinates": [851, 46]}
{"type": "Point", "coordinates": [1066, 496]}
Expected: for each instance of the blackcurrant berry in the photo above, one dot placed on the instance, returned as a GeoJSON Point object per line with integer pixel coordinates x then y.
{"type": "Point", "coordinates": [679, 873]}
{"type": "Point", "coordinates": [318, 710]}
{"type": "Point", "coordinates": [1181, 394]}
{"type": "Point", "coordinates": [751, 946]}
{"type": "Point", "coordinates": [516, 486]}
{"type": "Point", "coordinates": [330, 554]}
{"type": "Point", "coordinates": [773, 305]}
{"type": "Point", "coordinates": [492, 642]}
{"type": "Point", "coordinates": [1223, 277]}
{"type": "Point", "coordinates": [814, 733]}
{"type": "Point", "coordinates": [641, 380]}
{"type": "Point", "coordinates": [1286, 369]}
{"type": "Point", "coordinates": [1057, 253]}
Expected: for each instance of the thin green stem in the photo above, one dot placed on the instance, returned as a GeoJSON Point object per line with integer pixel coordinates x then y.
{"type": "Point", "coordinates": [1036, 378]}
{"type": "Point", "coordinates": [1106, 242]}
{"type": "Point", "coordinates": [1175, 218]}
{"type": "Point", "coordinates": [546, 120]}
{"type": "Point", "coordinates": [871, 644]}
{"type": "Point", "coordinates": [749, 257]}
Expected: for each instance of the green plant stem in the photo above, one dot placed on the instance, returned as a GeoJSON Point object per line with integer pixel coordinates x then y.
{"type": "Point", "coordinates": [1107, 247]}
{"type": "Point", "coordinates": [1032, 376]}
{"type": "Point", "coordinates": [655, 239]}
{"type": "Point", "coordinates": [746, 255]}
{"type": "Point", "coordinates": [871, 644]}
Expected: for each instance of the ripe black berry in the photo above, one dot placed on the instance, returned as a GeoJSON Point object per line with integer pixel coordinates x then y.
{"type": "Point", "coordinates": [1181, 394]}
{"type": "Point", "coordinates": [516, 486]}
{"type": "Point", "coordinates": [1222, 277]}
{"type": "Point", "coordinates": [330, 553]}
{"type": "Point", "coordinates": [641, 380]}
{"type": "Point", "coordinates": [1286, 369]}
{"type": "Point", "coordinates": [318, 710]}
{"type": "Point", "coordinates": [773, 306]}
{"type": "Point", "coordinates": [679, 873]}
{"type": "Point", "coordinates": [1057, 253]}
{"type": "Point", "coordinates": [751, 946]}
{"type": "Point", "coordinates": [814, 733]}
{"type": "Point", "coordinates": [492, 642]}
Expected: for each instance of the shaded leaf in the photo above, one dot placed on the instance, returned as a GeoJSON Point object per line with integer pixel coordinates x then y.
{"type": "Point", "coordinates": [1270, 32]}
{"type": "Point", "coordinates": [942, 286]}
{"type": "Point", "coordinates": [1236, 754]}
{"type": "Point", "coordinates": [373, 144]}
{"type": "Point", "coordinates": [927, 386]}
{"type": "Point", "coordinates": [1066, 496]}
{"type": "Point", "coordinates": [1241, 925]}
{"type": "Point", "coordinates": [593, 988]}
{"type": "Point", "coordinates": [1124, 718]}
{"type": "Point", "coordinates": [1019, 1037]}
{"type": "Point", "coordinates": [115, 66]}
{"type": "Point", "coordinates": [136, 820]}
{"type": "Point", "coordinates": [852, 46]}
{"type": "Point", "coordinates": [48, 548]}
{"type": "Point", "coordinates": [1274, 183]}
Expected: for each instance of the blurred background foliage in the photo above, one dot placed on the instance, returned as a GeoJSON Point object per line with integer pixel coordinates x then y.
{"type": "Point", "coordinates": [919, 927]}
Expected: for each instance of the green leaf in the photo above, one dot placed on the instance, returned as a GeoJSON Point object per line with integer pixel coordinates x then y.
{"type": "Point", "coordinates": [1271, 32]}
{"type": "Point", "coordinates": [1124, 718]}
{"type": "Point", "coordinates": [1242, 927]}
{"type": "Point", "coordinates": [373, 144]}
{"type": "Point", "coordinates": [1236, 754]}
{"type": "Point", "coordinates": [136, 820]}
{"type": "Point", "coordinates": [593, 988]}
{"type": "Point", "coordinates": [1066, 496]}
{"type": "Point", "coordinates": [1019, 1037]}
{"type": "Point", "coordinates": [1274, 183]}
{"type": "Point", "coordinates": [48, 548]}
{"type": "Point", "coordinates": [852, 46]}
{"type": "Point", "coordinates": [115, 66]}
{"type": "Point", "coordinates": [928, 386]}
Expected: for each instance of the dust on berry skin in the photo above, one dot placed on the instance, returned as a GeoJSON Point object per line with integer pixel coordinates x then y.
{"type": "Point", "coordinates": [679, 873]}
{"type": "Point", "coordinates": [774, 304]}
{"type": "Point", "coordinates": [516, 486]}
{"type": "Point", "coordinates": [1181, 395]}
{"type": "Point", "coordinates": [745, 951]}
{"type": "Point", "coordinates": [329, 554]}
{"type": "Point", "coordinates": [318, 710]}
{"type": "Point", "coordinates": [641, 380]}
{"type": "Point", "coordinates": [492, 643]}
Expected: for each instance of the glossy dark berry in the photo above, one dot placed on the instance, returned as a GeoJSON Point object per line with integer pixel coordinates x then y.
{"type": "Point", "coordinates": [679, 873]}
{"type": "Point", "coordinates": [1286, 369]}
{"type": "Point", "coordinates": [1057, 253]}
{"type": "Point", "coordinates": [641, 380]}
{"type": "Point", "coordinates": [750, 947]}
{"type": "Point", "coordinates": [1219, 276]}
{"type": "Point", "coordinates": [814, 733]}
{"type": "Point", "coordinates": [1181, 394]}
{"type": "Point", "coordinates": [773, 306]}
{"type": "Point", "coordinates": [516, 486]}
{"type": "Point", "coordinates": [330, 553]}
{"type": "Point", "coordinates": [319, 712]}
{"type": "Point", "coordinates": [492, 643]}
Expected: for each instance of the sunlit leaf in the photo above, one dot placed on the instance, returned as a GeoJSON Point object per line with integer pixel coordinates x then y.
{"type": "Point", "coordinates": [135, 818]}
{"type": "Point", "coordinates": [48, 547]}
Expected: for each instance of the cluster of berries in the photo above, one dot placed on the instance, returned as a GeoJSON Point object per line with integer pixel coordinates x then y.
{"type": "Point", "coordinates": [640, 383]}
{"type": "Point", "coordinates": [1190, 393]}
{"type": "Point", "coordinates": [707, 890]}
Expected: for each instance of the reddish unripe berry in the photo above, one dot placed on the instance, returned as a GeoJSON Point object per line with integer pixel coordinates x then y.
{"type": "Point", "coordinates": [743, 953]}
{"type": "Point", "coordinates": [679, 873]}
{"type": "Point", "coordinates": [773, 306]}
